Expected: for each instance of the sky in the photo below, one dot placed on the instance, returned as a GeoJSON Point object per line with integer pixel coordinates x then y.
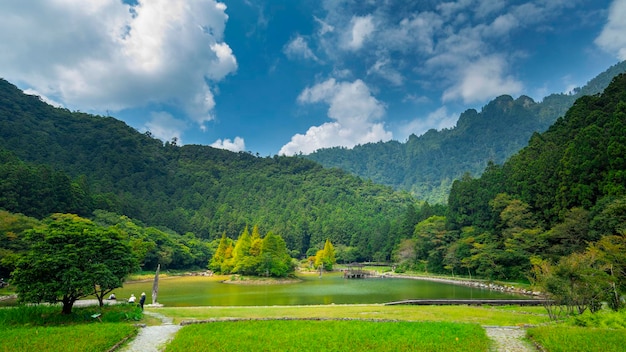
{"type": "Point", "coordinates": [287, 77]}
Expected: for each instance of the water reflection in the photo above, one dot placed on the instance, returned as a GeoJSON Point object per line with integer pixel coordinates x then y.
{"type": "Point", "coordinates": [312, 290]}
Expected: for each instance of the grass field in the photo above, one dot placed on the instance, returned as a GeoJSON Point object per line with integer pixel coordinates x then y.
{"type": "Point", "coordinates": [561, 338]}
{"type": "Point", "coordinates": [483, 315]}
{"type": "Point", "coordinates": [44, 328]}
{"type": "Point", "coordinates": [309, 328]}
{"type": "Point", "coordinates": [307, 335]}
{"type": "Point", "coordinates": [87, 338]}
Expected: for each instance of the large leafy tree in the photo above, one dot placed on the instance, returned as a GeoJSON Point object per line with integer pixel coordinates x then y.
{"type": "Point", "coordinates": [71, 258]}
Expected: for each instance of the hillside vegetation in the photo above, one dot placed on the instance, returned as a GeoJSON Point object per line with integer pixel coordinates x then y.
{"type": "Point", "coordinates": [54, 160]}
{"type": "Point", "coordinates": [427, 165]}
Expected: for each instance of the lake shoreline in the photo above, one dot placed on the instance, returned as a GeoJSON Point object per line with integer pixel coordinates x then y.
{"type": "Point", "coordinates": [469, 283]}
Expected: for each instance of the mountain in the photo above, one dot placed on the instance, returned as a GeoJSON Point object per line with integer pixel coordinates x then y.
{"type": "Point", "coordinates": [579, 162]}
{"type": "Point", "coordinates": [427, 165]}
{"type": "Point", "coordinates": [560, 199]}
{"type": "Point", "coordinates": [101, 163]}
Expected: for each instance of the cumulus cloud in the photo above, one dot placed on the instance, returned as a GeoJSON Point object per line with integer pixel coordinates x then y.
{"type": "Point", "coordinates": [483, 79]}
{"type": "Point", "coordinates": [236, 145]}
{"type": "Point", "coordinates": [613, 36]}
{"type": "Point", "coordinates": [108, 55]}
{"type": "Point", "coordinates": [438, 120]}
{"type": "Point", "coordinates": [165, 127]}
{"type": "Point", "coordinates": [384, 68]}
{"type": "Point", "coordinates": [434, 44]}
{"type": "Point", "coordinates": [298, 48]}
{"type": "Point", "coordinates": [355, 114]}
{"type": "Point", "coordinates": [360, 29]}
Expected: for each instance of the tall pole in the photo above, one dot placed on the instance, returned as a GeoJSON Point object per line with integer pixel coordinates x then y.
{"type": "Point", "coordinates": [155, 285]}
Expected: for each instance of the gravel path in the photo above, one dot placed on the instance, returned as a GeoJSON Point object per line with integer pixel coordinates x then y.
{"type": "Point", "coordinates": [153, 338]}
{"type": "Point", "coordinates": [509, 339]}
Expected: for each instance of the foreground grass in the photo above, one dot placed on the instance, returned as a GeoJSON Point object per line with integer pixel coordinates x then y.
{"type": "Point", "coordinates": [601, 331]}
{"type": "Point", "coordinates": [44, 328]}
{"type": "Point", "coordinates": [560, 338]}
{"type": "Point", "coordinates": [307, 335]}
{"type": "Point", "coordinates": [92, 337]}
{"type": "Point", "coordinates": [483, 315]}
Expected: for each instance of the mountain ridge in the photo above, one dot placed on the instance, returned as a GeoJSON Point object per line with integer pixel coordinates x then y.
{"type": "Point", "coordinates": [426, 165]}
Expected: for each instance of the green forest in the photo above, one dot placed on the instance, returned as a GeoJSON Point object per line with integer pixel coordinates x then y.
{"type": "Point", "coordinates": [554, 207]}
{"type": "Point", "coordinates": [427, 165]}
{"type": "Point", "coordinates": [56, 161]}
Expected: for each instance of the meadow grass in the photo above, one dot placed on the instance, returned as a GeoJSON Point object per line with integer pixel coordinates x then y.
{"type": "Point", "coordinates": [557, 338]}
{"type": "Point", "coordinates": [85, 338]}
{"type": "Point", "coordinates": [604, 330]}
{"type": "Point", "coordinates": [309, 335]}
{"type": "Point", "coordinates": [44, 328]}
{"type": "Point", "coordinates": [483, 315]}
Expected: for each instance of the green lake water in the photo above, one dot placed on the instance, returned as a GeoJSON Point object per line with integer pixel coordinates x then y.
{"type": "Point", "coordinates": [312, 290]}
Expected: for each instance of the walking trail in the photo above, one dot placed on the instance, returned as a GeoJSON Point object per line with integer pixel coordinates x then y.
{"type": "Point", "coordinates": [153, 338]}
{"type": "Point", "coordinates": [509, 339]}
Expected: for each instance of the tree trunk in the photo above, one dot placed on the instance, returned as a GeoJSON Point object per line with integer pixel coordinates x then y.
{"type": "Point", "coordinates": [68, 303]}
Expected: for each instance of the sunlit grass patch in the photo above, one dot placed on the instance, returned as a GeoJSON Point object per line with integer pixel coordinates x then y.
{"type": "Point", "coordinates": [44, 328]}
{"type": "Point", "coordinates": [507, 316]}
{"type": "Point", "coordinates": [560, 337]}
{"type": "Point", "coordinates": [309, 335]}
{"type": "Point", "coordinates": [90, 337]}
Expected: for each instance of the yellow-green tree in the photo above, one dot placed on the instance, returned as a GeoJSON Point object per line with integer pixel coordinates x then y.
{"type": "Point", "coordinates": [274, 259]}
{"type": "Point", "coordinates": [243, 261]}
{"type": "Point", "coordinates": [326, 256]}
{"type": "Point", "coordinates": [222, 254]}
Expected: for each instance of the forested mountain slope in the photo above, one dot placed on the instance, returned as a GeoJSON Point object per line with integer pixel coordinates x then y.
{"type": "Point", "coordinates": [560, 201]}
{"type": "Point", "coordinates": [579, 162]}
{"type": "Point", "coordinates": [427, 165]}
{"type": "Point", "coordinates": [564, 191]}
{"type": "Point", "coordinates": [101, 163]}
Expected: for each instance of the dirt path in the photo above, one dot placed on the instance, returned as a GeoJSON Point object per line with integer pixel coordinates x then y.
{"type": "Point", "coordinates": [509, 339]}
{"type": "Point", "coordinates": [153, 338]}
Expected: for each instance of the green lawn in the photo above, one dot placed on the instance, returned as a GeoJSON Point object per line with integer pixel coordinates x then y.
{"type": "Point", "coordinates": [483, 315]}
{"type": "Point", "coordinates": [309, 335]}
{"type": "Point", "coordinates": [44, 328]}
{"type": "Point", "coordinates": [561, 338]}
{"type": "Point", "coordinates": [95, 337]}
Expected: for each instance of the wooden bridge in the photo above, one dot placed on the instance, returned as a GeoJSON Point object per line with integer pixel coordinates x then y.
{"type": "Point", "coordinates": [355, 271]}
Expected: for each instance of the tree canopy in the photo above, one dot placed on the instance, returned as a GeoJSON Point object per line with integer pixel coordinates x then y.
{"type": "Point", "coordinates": [70, 258]}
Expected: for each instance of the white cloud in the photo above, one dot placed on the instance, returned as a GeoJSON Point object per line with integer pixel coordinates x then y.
{"type": "Point", "coordinates": [165, 127]}
{"type": "Point", "coordinates": [299, 48]}
{"type": "Point", "coordinates": [354, 112]}
{"type": "Point", "coordinates": [438, 120]}
{"type": "Point", "coordinates": [43, 98]}
{"type": "Point", "coordinates": [107, 55]}
{"type": "Point", "coordinates": [236, 145]}
{"type": "Point", "coordinates": [483, 79]}
{"type": "Point", "coordinates": [613, 36]}
{"type": "Point", "coordinates": [360, 29]}
{"type": "Point", "coordinates": [324, 27]}
{"type": "Point", "coordinates": [383, 68]}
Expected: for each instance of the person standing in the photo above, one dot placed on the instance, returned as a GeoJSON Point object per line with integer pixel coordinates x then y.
{"type": "Point", "coordinates": [142, 300]}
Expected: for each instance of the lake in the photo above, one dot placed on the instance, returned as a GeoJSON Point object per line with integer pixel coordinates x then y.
{"type": "Point", "coordinates": [312, 290]}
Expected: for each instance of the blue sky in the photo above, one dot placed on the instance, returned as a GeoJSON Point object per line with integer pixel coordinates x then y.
{"type": "Point", "coordinates": [286, 76]}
